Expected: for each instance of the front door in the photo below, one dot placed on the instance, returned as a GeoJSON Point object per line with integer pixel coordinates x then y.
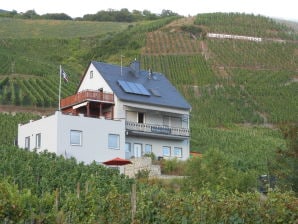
{"type": "Point", "coordinates": [137, 148]}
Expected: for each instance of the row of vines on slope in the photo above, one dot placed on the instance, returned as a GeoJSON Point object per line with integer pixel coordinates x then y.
{"type": "Point", "coordinates": [254, 55]}
{"type": "Point", "coordinates": [47, 188]}
{"type": "Point", "coordinates": [9, 124]}
{"type": "Point", "coordinates": [160, 43]}
{"type": "Point", "coordinates": [40, 92]}
{"type": "Point", "coordinates": [244, 24]}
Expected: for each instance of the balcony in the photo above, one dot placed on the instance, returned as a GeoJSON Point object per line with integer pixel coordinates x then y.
{"type": "Point", "coordinates": [87, 95]}
{"type": "Point", "coordinates": [159, 131]}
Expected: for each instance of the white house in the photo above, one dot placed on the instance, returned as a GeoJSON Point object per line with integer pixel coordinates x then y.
{"type": "Point", "coordinates": [116, 112]}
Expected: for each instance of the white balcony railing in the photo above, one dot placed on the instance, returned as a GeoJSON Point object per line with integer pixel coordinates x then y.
{"type": "Point", "coordinates": [157, 129]}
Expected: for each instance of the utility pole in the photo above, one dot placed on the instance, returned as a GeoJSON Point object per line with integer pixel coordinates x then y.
{"type": "Point", "coordinates": [121, 56]}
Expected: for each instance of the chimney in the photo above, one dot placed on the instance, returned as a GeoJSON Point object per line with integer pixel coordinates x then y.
{"type": "Point", "coordinates": [136, 67]}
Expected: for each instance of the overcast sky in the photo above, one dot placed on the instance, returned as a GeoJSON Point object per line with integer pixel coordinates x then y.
{"type": "Point", "coordinates": [285, 9]}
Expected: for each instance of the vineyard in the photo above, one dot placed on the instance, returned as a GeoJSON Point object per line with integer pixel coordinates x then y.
{"type": "Point", "coordinates": [226, 81]}
{"type": "Point", "coordinates": [243, 24]}
{"type": "Point", "coordinates": [242, 93]}
{"type": "Point", "coordinates": [37, 92]}
{"type": "Point", "coordinates": [254, 55]}
{"type": "Point", "coordinates": [164, 43]}
{"type": "Point", "coordinates": [9, 126]}
{"type": "Point", "coordinates": [44, 188]}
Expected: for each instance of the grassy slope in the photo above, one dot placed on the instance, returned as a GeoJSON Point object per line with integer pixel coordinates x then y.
{"type": "Point", "coordinates": [51, 29]}
{"type": "Point", "coordinates": [237, 89]}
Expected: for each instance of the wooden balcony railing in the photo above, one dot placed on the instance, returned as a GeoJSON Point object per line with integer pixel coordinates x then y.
{"type": "Point", "coordinates": [157, 129]}
{"type": "Point", "coordinates": [87, 95]}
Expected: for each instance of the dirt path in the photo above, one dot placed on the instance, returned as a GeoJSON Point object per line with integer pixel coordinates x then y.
{"type": "Point", "coordinates": [33, 110]}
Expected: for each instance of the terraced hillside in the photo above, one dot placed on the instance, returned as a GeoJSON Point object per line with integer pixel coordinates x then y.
{"type": "Point", "coordinates": [241, 91]}
{"type": "Point", "coordinates": [236, 87]}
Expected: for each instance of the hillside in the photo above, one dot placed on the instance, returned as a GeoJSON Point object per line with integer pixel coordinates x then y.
{"type": "Point", "coordinates": [240, 91]}
{"type": "Point", "coordinates": [243, 120]}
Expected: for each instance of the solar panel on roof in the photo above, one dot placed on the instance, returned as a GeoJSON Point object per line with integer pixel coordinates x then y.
{"type": "Point", "coordinates": [134, 88]}
{"type": "Point", "coordinates": [142, 89]}
{"type": "Point", "coordinates": [124, 86]}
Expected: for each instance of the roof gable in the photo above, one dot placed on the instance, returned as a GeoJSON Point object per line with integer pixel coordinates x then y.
{"type": "Point", "coordinates": [140, 86]}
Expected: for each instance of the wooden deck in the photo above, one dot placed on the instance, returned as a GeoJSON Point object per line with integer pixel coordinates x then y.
{"type": "Point", "coordinates": [87, 95]}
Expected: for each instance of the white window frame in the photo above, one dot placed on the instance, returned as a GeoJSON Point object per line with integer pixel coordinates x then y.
{"type": "Point", "coordinates": [75, 143]}
{"type": "Point", "coordinates": [176, 150]}
{"type": "Point", "coordinates": [27, 142]}
{"type": "Point", "coordinates": [146, 149]}
{"type": "Point", "coordinates": [168, 153]}
{"type": "Point", "coordinates": [38, 140]}
{"type": "Point", "coordinates": [114, 144]}
{"type": "Point", "coordinates": [128, 150]}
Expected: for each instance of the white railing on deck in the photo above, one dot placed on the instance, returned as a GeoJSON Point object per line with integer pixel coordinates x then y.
{"type": "Point", "coordinates": [157, 129]}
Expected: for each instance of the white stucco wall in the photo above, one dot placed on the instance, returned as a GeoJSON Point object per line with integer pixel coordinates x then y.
{"type": "Point", "coordinates": [94, 138]}
{"type": "Point", "coordinates": [157, 145]}
{"type": "Point", "coordinates": [155, 116]}
{"type": "Point", "coordinates": [47, 127]}
{"type": "Point", "coordinates": [55, 136]}
{"type": "Point", "coordinates": [121, 107]}
{"type": "Point", "coordinates": [94, 83]}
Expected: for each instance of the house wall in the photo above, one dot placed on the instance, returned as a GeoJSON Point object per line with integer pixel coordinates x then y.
{"type": "Point", "coordinates": [94, 132]}
{"type": "Point", "coordinates": [94, 83]}
{"type": "Point", "coordinates": [159, 115]}
{"type": "Point", "coordinates": [46, 127]}
{"type": "Point", "coordinates": [157, 145]}
{"type": "Point", "coordinates": [128, 110]}
{"type": "Point", "coordinates": [155, 115]}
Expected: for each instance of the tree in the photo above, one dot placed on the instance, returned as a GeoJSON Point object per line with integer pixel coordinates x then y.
{"type": "Point", "coordinates": [285, 167]}
{"type": "Point", "coordinates": [30, 14]}
{"type": "Point", "coordinates": [56, 16]}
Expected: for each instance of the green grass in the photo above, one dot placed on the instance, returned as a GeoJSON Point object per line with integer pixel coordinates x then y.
{"type": "Point", "coordinates": [28, 29]}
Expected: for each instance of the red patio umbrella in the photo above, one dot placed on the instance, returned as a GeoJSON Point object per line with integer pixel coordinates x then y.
{"type": "Point", "coordinates": [117, 162]}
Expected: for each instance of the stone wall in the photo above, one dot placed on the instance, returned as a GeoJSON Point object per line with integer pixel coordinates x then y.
{"type": "Point", "coordinates": [140, 164]}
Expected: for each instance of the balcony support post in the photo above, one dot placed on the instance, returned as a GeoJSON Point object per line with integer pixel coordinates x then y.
{"type": "Point", "coordinates": [100, 109]}
{"type": "Point", "coordinates": [88, 109]}
{"type": "Point", "coordinates": [112, 112]}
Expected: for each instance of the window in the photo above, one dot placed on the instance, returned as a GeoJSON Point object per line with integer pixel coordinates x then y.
{"type": "Point", "coordinates": [177, 152]}
{"type": "Point", "coordinates": [75, 137]}
{"type": "Point", "coordinates": [148, 149]}
{"type": "Point", "coordinates": [91, 74]}
{"type": "Point", "coordinates": [37, 141]}
{"type": "Point", "coordinates": [27, 142]}
{"type": "Point", "coordinates": [127, 150]}
{"type": "Point", "coordinates": [114, 141]}
{"type": "Point", "coordinates": [141, 118]}
{"type": "Point", "coordinates": [166, 151]}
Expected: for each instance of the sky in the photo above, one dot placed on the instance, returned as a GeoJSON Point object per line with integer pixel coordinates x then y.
{"type": "Point", "coordinates": [285, 9]}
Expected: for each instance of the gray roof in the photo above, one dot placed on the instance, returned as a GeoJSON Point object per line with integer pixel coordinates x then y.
{"type": "Point", "coordinates": [162, 92]}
